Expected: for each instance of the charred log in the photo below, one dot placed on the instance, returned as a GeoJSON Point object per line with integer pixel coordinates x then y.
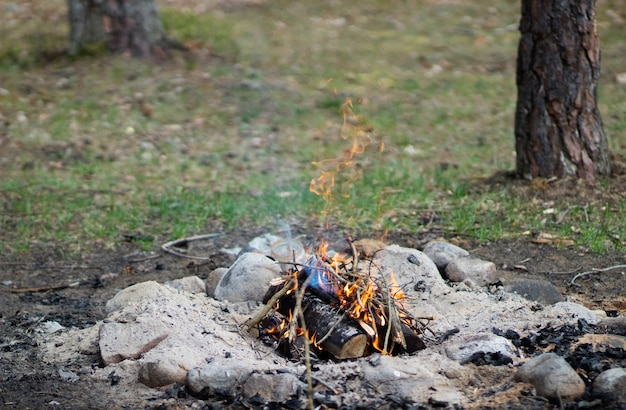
{"type": "Point", "coordinates": [334, 331]}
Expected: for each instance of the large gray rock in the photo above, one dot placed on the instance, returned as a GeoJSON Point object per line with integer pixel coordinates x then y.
{"type": "Point", "coordinates": [121, 341]}
{"type": "Point", "coordinates": [552, 377]}
{"type": "Point", "coordinates": [413, 270]}
{"type": "Point", "coordinates": [136, 294]}
{"type": "Point", "coordinates": [162, 372]}
{"type": "Point", "coordinates": [247, 279]}
{"type": "Point", "coordinates": [464, 347]}
{"type": "Point", "coordinates": [221, 376]}
{"type": "Point", "coordinates": [442, 253]}
{"type": "Point", "coordinates": [274, 388]}
{"type": "Point", "coordinates": [577, 311]}
{"type": "Point", "coordinates": [538, 290]}
{"type": "Point", "coordinates": [477, 270]}
{"type": "Point", "coordinates": [612, 381]}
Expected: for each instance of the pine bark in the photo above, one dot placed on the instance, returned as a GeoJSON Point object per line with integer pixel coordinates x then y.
{"type": "Point", "coordinates": [558, 128]}
{"type": "Point", "coordinates": [124, 25]}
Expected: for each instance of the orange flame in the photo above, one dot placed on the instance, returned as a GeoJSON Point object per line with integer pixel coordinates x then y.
{"type": "Point", "coordinates": [324, 185]}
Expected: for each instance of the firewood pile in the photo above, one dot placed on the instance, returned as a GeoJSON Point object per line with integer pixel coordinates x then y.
{"type": "Point", "coordinates": [338, 308]}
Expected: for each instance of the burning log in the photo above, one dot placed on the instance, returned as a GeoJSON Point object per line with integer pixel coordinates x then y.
{"type": "Point", "coordinates": [333, 331]}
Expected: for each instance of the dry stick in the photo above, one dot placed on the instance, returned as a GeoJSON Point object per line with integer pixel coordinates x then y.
{"type": "Point", "coordinates": [166, 247]}
{"type": "Point", "coordinates": [307, 348]}
{"type": "Point", "coordinates": [269, 305]}
{"type": "Point", "coordinates": [355, 256]}
{"type": "Point", "coordinates": [49, 267]}
{"type": "Point", "coordinates": [578, 275]}
{"type": "Point", "coordinates": [143, 258]}
{"type": "Point", "coordinates": [584, 208]}
{"type": "Point", "coordinates": [43, 288]}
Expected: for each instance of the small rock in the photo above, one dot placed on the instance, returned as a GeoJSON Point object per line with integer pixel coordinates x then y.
{"type": "Point", "coordinates": [213, 279]}
{"type": "Point", "coordinates": [50, 327]}
{"type": "Point", "coordinates": [68, 376]}
{"type": "Point", "coordinates": [442, 253]}
{"type": "Point", "coordinates": [540, 291]}
{"type": "Point", "coordinates": [488, 343]}
{"type": "Point", "coordinates": [552, 377]}
{"type": "Point", "coordinates": [468, 267]}
{"type": "Point", "coordinates": [577, 311]}
{"type": "Point", "coordinates": [612, 381]}
{"type": "Point", "coordinates": [162, 373]}
{"type": "Point", "coordinates": [368, 247]}
{"type": "Point", "coordinates": [191, 284]}
{"type": "Point", "coordinates": [247, 279]}
{"type": "Point", "coordinates": [274, 388]}
{"type": "Point", "coordinates": [218, 377]}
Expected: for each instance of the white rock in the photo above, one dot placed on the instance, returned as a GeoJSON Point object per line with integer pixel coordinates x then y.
{"type": "Point", "coordinates": [218, 377]}
{"type": "Point", "coordinates": [191, 284]}
{"type": "Point", "coordinates": [552, 377]}
{"type": "Point", "coordinates": [462, 349]}
{"type": "Point", "coordinates": [479, 271]}
{"type": "Point", "coordinates": [68, 375]}
{"type": "Point", "coordinates": [162, 372]}
{"type": "Point", "coordinates": [274, 388]}
{"type": "Point", "coordinates": [50, 327]}
{"type": "Point", "coordinates": [247, 279]}
{"type": "Point", "coordinates": [136, 294]}
{"type": "Point", "coordinates": [612, 381]}
{"type": "Point", "coordinates": [577, 311]}
{"type": "Point", "coordinates": [120, 341]}
{"type": "Point", "coordinates": [410, 268]}
{"type": "Point", "coordinates": [442, 253]}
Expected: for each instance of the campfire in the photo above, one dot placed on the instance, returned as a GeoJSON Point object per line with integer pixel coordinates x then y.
{"type": "Point", "coordinates": [344, 307]}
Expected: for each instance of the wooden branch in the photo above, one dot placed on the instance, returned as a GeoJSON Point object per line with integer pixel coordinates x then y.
{"type": "Point", "coordinates": [43, 288]}
{"type": "Point", "coordinates": [269, 305]}
{"type": "Point", "coordinates": [166, 247]}
{"type": "Point", "coordinates": [578, 275]}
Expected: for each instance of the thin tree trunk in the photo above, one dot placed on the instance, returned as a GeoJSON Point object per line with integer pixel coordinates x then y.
{"type": "Point", "coordinates": [558, 128]}
{"type": "Point", "coordinates": [124, 25]}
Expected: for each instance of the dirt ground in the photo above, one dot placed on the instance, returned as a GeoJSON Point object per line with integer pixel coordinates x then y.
{"type": "Point", "coordinates": [28, 383]}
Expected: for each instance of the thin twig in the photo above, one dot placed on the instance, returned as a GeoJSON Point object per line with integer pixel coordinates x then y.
{"type": "Point", "coordinates": [584, 208]}
{"type": "Point", "coordinates": [142, 258]}
{"type": "Point", "coordinates": [42, 267]}
{"type": "Point", "coordinates": [166, 247]}
{"type": "Point", "coordinates": [269, 305]}
{"type": "Point", "coordinates": [578, 275]}
{"type": "Point", "coordinates": [569, 272]}
{"type": "Point", "coordinates": [355, 256]}
{"type": "Point", "coordinates": [43, 288]}
{"type": "Point", "coordinates": [299, 314]}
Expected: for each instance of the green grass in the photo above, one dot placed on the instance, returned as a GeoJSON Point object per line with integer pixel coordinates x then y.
{"type": "Point", "coordinates": [235, 128]}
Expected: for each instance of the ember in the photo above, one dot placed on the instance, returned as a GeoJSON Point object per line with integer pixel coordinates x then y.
{"type": "Point", "coordinates": [340, 308]}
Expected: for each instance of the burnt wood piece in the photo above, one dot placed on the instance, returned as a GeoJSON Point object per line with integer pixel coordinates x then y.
{"type": "Point", "coordinates": [346, 339]}
{"type": "Point", "coordinates": [413, 342]}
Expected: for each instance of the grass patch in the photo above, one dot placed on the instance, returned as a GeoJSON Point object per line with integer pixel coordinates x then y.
{"type": "Point", "coordinates": [105, 146]}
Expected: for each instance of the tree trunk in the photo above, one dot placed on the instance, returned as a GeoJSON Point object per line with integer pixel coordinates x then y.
{"type": "Point", "coordinates": [124, 25]}
{"type": "Point", "coordinates": [558, 129]}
